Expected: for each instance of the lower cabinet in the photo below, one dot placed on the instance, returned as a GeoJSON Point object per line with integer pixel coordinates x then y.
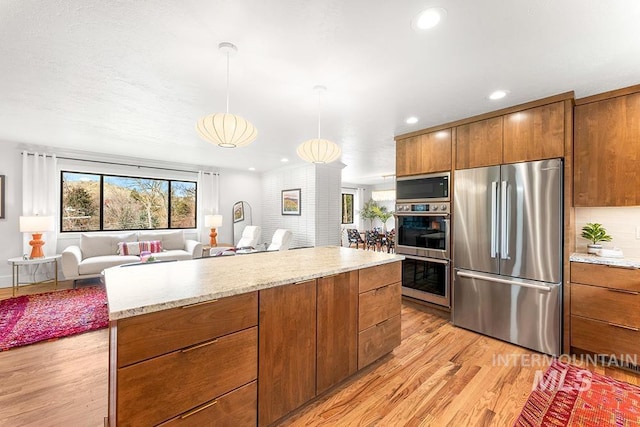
{"type": "Point", "coordinates": [287, 349]}
{"type": "Point", "coordinates": [253, 358]}
{"type": "Point", "coordinates": [337, 355]}
{"type": "Point", "coordinates": [604, 310]}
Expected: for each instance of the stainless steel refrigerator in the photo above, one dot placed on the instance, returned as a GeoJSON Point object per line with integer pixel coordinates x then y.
{"type": "Point", "coordinates": [508, 233]}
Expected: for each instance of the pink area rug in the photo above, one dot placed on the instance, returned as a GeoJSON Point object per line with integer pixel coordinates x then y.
{"type": "Point", "coordinates": [32, 318]}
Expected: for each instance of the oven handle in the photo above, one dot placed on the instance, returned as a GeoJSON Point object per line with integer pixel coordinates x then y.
{"type": "Point", "coordinates": [446, 215]}
{"type": "Point", "coordinates": [436, 260]}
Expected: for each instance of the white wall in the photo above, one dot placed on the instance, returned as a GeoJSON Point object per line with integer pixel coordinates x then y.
{"type": "Point", "coordinates": [10, 236]}
{"type": "Point", "coordinates": [319, 222]}
{"type": "Point", "coordinates": [238, 186]}
{"type": "Point", "coordinates": [621, 224]}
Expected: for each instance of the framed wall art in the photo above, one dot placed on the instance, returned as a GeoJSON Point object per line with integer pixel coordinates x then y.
{"type": "Point", "coordinates": [347, 208]}
{"type": "Point", "coordinates": [291, 202]}
{"type": "Point", "coordinates": [238, 212]}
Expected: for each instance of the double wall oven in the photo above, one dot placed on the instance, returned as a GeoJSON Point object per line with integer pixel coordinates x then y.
{"type": "Point", "coordinates": [422, 235]}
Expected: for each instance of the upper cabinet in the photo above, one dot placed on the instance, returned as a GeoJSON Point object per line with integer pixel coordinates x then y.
{"type": "Point", "coordinates": [607, 149]}
{"type": "Point", "coordinates": [534, 134]}
{"type": "Point", "coordinates": [426, 153]}
{"type": "Point", "coordinates": [479, 143]}
{"type": "Point", "coordinates": [531, 134]}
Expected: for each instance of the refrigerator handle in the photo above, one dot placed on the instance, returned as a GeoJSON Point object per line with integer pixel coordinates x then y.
{"type": "Point", "coordinates": [494, 219]}
{"type": "Point", "coordinates": [527, 284]}
{"type": "Point", "coordinates": [504, 220]}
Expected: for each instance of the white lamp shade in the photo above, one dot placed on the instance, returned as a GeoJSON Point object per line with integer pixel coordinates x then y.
{"type": "Point", "coordinates": [36, 224]}
{"type": "Point", "coordinates": [213, 221]}
{"type": "Point", "coordinates": [226, 130]}
{"type": "Point", "coordinates": [319, 151]}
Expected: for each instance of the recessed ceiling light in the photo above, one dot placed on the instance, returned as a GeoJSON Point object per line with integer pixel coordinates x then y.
{"type": "Point", "coordinates": [428, 18]}
{"type": "Point", "coordinates": [411, 120]}
{"type": "Point", "coordinates": [498, 94]}
{"type": "Point", "coordinates": [252, 168]}
{"type": "Point", "coordinates": [284, 160]}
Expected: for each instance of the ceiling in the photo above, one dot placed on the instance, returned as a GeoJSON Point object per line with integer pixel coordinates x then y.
{"type": "Point", "coordinates": [132, 77]}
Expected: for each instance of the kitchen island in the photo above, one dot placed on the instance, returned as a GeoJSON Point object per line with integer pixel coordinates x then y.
{"type": "Point", "coordinates": [245, 340]}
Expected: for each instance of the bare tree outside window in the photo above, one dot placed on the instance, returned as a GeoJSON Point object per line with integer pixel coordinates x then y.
{"type": "Point", "coordinates": [128, 203]}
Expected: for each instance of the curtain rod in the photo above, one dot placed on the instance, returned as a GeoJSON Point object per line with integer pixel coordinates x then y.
{"type": "Point", "coordinates": [125, 164]}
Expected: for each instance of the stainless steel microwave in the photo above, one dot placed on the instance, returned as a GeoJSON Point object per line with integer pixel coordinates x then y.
{"type": "Point", "coordinates": [423, 188]}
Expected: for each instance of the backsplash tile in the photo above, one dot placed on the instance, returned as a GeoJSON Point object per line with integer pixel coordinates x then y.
{"type": "Point", "coordinates": [620, 223]}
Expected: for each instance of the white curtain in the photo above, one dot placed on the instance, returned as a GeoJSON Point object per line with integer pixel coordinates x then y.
{"type": "Point", "coordinates": [40, 188]}
{"type": "Point", "coordinates": [359, 203]}
{"type": "Point", "coordinates": [208, 200]}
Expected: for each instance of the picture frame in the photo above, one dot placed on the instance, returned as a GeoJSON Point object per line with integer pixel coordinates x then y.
{"type": "Point", "coordinates": [347, 208]}
{"type": "Point", "coordinates": [291, 202]}
{"type": "Point", "coordinates": [238, 212]}
{"type": "Point", "coordinates": [2, 215]}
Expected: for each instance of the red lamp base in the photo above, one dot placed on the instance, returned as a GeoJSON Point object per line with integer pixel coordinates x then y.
{"type": "Point", "coordinates": [36, 246]}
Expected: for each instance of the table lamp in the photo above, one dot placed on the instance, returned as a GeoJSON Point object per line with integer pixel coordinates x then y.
{"type": "Point", "coordinates": [213, 221]}
{"type": "Point", "coordinates": [36, 225]}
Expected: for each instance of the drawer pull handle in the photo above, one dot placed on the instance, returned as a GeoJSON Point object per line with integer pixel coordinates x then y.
{"type": "Point", "coordinates": [194, 347]}
{"type": "Point", "coordinates": [199, 303]}
{"type": "Point", "coordinates": [625, 267]}
{"type": "Point", "coordinates": [196, 410]}
{"type": "Point", "coordinates": [623, 291]}
{"type": "Point", "coordinates": [623, 327]}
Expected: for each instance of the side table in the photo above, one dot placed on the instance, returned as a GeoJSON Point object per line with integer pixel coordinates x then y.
{"type": "Point", "coordinates": [206, 249]}
{"type": "Point", "coordinates": [18, 261]}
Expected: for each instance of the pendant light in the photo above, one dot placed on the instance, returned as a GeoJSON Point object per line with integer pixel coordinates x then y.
{"type": "Point", "coordinates": [319, 150]}
{"type": "Point", "coordinates": [224, 129]}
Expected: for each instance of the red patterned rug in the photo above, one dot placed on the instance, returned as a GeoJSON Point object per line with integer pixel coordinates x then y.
{"type": "Point", "coordinates": [571, 396]}
{"type": "Point", "coordinates": [32, 318]}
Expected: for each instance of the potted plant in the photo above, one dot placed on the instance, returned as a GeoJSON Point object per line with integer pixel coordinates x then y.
{"type": "Point", "coordinates": [595, 233]}
{"type": "Point", "coordinates": [368, 211]}
{"type": "Point", "coordinates": [383, 214]}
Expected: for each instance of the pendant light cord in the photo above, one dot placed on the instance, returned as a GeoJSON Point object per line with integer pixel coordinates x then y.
{"type": "Point", "coordinates": [319, 95]}
{"type": "Point", "coordinates": [227, 82]}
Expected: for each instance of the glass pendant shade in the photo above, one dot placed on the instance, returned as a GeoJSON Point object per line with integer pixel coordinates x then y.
{"type": "Point", "coordinates": [226, 130]}
{"type": "Point", "coordinates": [319, 151]}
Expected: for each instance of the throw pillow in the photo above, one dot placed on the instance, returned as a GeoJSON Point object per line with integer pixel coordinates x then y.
{"type": "Point", "coordinates": [153, 246]}
{"type": "Point", "coordinates": [128, 248]}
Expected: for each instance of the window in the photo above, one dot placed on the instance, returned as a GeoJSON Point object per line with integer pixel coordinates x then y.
{"type": "Point", "coordinates": [97, 202]}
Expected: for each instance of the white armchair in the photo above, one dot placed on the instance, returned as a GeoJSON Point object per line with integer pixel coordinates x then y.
{"type": "Point", "coordinates": [250, 237]}
{"type": "Point", "coordinates": [281, 240]}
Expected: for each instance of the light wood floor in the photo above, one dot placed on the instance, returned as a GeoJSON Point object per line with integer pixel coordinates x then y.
{"type": "Point", "coordinates": [440, 375]}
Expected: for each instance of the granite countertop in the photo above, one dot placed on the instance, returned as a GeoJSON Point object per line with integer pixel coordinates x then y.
{"type": "Point", "coordinates": [595, 259]}
{"type": "Point", "coordinates": [147, 288]}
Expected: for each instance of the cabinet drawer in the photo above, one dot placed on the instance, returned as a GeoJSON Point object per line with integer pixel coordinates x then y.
{"type": "Point", "coordinates": [378, 305]}
{"type": "Point", "coordinates": [156, 390]}
{"type": "Point", "coordinates": [606, 304]}
{"type": "Point", "coordinates": [603, 338]}
{"type": "Point", "coordinates": [235, 409]}
{"type": "Point", "coordinates": [149, 335]}
{"type": "Point", "coordinates": [378, 340]}
{"type": "Point", "coordinates": [605, 275]}
{"type": "Point", "coordinates": [378, 276]}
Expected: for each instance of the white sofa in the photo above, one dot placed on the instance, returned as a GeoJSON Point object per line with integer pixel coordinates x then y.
{"type": "Point", "coordinates": [98, 251]}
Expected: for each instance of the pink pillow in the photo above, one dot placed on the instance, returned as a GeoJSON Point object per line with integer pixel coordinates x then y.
{"type": "Point", "coordinates": [153, 246]}
{"type": "Point", "coordinates": [136, 248]}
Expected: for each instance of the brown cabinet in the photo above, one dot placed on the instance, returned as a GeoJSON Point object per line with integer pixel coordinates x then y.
{"type": "Point", "coordinates": [337, 323]}
{"type": "Point", "coordinates": [479, 144]}
{"type": "Point", "coordinates": [380, 302]}
{"type": "Point", "coordinates": [534, 134]}
{"type": "Point", "coordinates": [604, 309]}
{"type": "Point", "coordinates": [175, 362]}
{"type": "Point", "coordinates": [426, 153]}
{"type": "Point", "coordinates": [531, 134]}
{"type": "Point", "coordinates": [607, 150]}
{"type": "Point", "coordinates": [287, 349]}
